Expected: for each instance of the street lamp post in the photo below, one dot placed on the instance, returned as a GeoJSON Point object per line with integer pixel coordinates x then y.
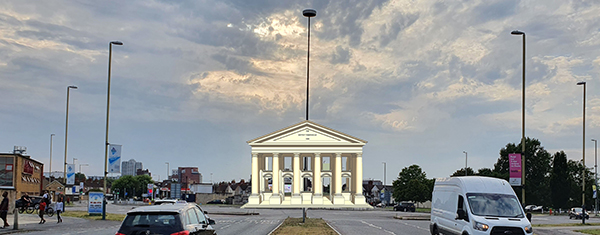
{"type": "Point", "coordinates": [384, 169]}
{"type": "Point", "coordinates": [110, 44]}
{"type": "Point", "coordinates": [583, 152]}
{"type": "Point", "coordinates": [50, 165]}
{"type": "Point", "coordinates": [516, 32]}
{"type": "Point", "coordinates": [308, 13]}
{"type": "Point", "coordinates": [67, 132]}
{"type": "Point", "coordinates": [596, 172]}
{"type": "Point", "coordinates": [465, 162]}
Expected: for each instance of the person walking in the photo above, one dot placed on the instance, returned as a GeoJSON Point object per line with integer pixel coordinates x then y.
{"type": "Point", "coordinates": [42, 209]}
{"type": "Point", "coordinates": [4, 209]}
{"type": "Point", "coordinates": [59, 208]}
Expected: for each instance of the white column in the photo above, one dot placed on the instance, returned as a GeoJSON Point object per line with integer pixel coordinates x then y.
{"type": "Point", "coordinates": [296, 199]}
{"type": "Point", "coordinates": [317, 184]}
{"type": "Point", "coordinates": [276, 197]}
{"type": "Point", "coordinates": [338, 199]}
{"type": "Point", "coordinates": [254, 199]}
{"type": "Point", "coordinates": [359, 199]}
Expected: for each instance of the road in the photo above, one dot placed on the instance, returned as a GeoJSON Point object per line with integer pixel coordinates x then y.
{"type": "Point", "coordinates": [347, 222]}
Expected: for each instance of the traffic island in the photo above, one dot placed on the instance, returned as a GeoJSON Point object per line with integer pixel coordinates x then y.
{"type": "Point", "coordinates": [412, 217]}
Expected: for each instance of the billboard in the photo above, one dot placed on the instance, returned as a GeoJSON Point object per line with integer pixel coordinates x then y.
{"type": "Point", "coordinates": [70, 174]}
{"type": "Point", "coordinates": [95, 202]}
{"type": "Point", "coordinates": [514, 163]}
{"type": "Point", "coordinates": [114, 158]}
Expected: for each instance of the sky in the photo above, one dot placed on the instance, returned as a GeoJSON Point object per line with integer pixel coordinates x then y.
{"type": "Point", "coordinates": [421, 81]}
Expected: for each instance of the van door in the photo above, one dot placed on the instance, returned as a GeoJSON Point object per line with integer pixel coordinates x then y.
{"type": "Point", "coordinates": [460, 223]}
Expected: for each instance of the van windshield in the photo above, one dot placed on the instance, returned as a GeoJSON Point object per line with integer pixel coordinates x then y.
{"type": "Point", "coordinates": [497, 205]}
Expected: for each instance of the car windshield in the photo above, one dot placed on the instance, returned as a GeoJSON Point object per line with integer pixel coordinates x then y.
{"type": "Point", "coordinates": [577, 210]}
{"type": "Point", "coordinates": [497, 205]}
{"type": "Point", "coordinates": [152, 220]}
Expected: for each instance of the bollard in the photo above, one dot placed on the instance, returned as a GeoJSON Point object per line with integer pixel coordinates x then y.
{"type": "Point", "coordinates": [16, 221]}
{"type": "Point", "coordinates": [303, 215]}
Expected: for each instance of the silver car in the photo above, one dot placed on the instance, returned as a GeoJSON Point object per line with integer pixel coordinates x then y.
{"type": "Point", "coordinates": [178, 218]}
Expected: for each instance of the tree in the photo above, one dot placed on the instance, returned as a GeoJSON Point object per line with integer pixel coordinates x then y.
{"type": "Point", "coordinates": [559, 180]}
{"type": "Point", "coordinates": [133, 185]}
{"type": "Point", "coordinates": [79, 177]}
{"type": "Point", "coordinates": [575, 170]}
{"type": "Point", "coordinates": [537, 170]}
{"type": "Point", "coordinates": [461, 172]}
{"type": "Point", "coordinates": [412, 185]}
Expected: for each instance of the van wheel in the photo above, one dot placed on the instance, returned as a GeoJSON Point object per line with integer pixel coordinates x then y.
{"type": "Point", "coordinates": [465, 233]}
{"type": "Point", "coordinates": [434, 230]}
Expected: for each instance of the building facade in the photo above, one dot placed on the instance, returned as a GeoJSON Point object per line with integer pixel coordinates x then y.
{"type": "Point", "coordinates": [188, 176]}
{"type": "Point", "coordinates": [20, 174]}
{"type": "Point", "coordinates": [306, 165]}
{"type": "Point", "coordinates": [130, 167]}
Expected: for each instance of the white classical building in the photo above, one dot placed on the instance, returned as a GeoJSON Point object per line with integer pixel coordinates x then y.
{"type": "Point", "coordinates": [306, 165]}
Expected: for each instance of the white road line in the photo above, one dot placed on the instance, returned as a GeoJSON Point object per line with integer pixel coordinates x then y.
{"type": "Point", "coordinates": [377, 227]}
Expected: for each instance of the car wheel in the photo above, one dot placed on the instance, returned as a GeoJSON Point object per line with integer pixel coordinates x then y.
{"type": "Point", "coordinates": [434, 230]}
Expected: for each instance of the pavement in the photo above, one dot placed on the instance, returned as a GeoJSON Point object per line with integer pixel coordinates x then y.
{"type": "Point", "coordinates": [30, 223]}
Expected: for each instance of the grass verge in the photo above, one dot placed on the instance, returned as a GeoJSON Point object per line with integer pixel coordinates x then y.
{"type": "Point", "coordinates": [566, 225]}
{"type": "Point", "coordinates": [294, 226]}
{"type": "Point", "coordinates": [589, 231]}
{"type": "Point", "coordinates": [86, 215]}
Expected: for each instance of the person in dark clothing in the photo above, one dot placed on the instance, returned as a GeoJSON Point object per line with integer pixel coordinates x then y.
{"type": "Point", "coordinates": [4, 209]}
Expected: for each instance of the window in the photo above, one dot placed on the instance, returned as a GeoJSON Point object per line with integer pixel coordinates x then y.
{"type": "Point", "coordinates": [287, 164]}
{"type": "Point", "coordinates": [306, 163]}
{"type": "Point", "coordinates": [201, 218]}
{"type": "Point", "coordinates": [346, 184]}
{"type": "Point", "coordinates": [326, 163]}
{"type": "Point", "coordinates": [268, 163]}
{"type": "Point", "coordinates": [6, 171]}
{"type": "Point", "coordinates": [344, 163]}
{"type": "Point", "coordinates": [192, 217]}
{"type": "Point", "coordinates": [307, 184]}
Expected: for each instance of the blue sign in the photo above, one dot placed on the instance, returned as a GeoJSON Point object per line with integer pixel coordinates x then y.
{"type": "Point", "coordinates": [95, 202]}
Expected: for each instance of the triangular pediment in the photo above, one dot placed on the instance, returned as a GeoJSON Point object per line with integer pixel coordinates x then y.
{"type": "Point", "coordinates": [307, 132]}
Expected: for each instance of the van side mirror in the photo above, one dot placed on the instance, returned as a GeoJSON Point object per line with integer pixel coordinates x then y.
{"type": "Point", "coordinates": [211, 221]}
{"type": "Point", "coordinates": [529, 216]}
{"type": "Point", "coordinates": [462, 215]}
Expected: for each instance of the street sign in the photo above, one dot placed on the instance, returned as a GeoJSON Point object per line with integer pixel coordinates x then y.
{"type": "Point", "coordinates": [95, 202]}
{"type": "Point", "coordinates": [514, 162]}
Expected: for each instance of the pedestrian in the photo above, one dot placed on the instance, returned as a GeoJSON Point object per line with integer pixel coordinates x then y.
{"type": "Point", "coordinates": [42, 209]}
{"type": "Point", "coordinates": [4, 209]}
{"type": "Point", "coordinates": [59, 208]}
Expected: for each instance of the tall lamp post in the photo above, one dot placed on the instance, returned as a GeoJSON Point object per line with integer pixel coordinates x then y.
{"type": "Point", "coordinates": [583, 152]}
{"type": "Point", "coordinates": [384, 169]}
{"type": "Point", "coordinates": [110, 44]}
{"type": "Point", "coordinates": [308, 13]}
{"type": "Point", "coordinates": [67, 132]}
{"type": "Point", "coordinates": [596, 172]}
{"type": "Point", "coordinates": [517, 32]}
{"type": "Point", "coordinates": [465, 162]}
{"type": "Point", "coordinates": [50, 170]}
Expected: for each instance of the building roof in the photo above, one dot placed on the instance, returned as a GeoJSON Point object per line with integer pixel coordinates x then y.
{"type": "Point", "coordinates": [326, 134]}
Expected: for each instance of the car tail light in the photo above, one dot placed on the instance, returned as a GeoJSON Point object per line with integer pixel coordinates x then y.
{"type": "Point", "coordinates": [119, 233]}
{"type": "Point", "coordinates": [181, 233]}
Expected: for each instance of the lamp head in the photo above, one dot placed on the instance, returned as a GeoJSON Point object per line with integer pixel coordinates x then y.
{"type": "Point", "coordinates": [594, 140]}
{"type": "Point", "coordinates": [73, 87]}
{"type": "Point", "coordinates": [517, 32]}
{"type": "Point", "coordinates": [52, 134]}
{"type": "Point", "coordinates": [309, 13]}
{"type": "Point", "coordinates": [464, 151]}
{"type": "Point", "coordinates": [581, 83]}
{"type": "Point", "coordinates": [117, 43]}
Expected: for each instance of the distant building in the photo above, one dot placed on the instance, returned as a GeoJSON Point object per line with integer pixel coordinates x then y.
{"type": "Point", "coordinates": [143, 172]}
{"type": "Point", "coordinates": [20, 174]}
{"type": "Point", "coordinates": [189, 175]}
{"type": "Point", "coordinates": [130, 167]}
{"type": "Point", "coordinates": [95, 177]}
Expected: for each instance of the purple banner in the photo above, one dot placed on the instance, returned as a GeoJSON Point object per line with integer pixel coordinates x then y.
{"type": "Point", "coordinates": [514, 165]}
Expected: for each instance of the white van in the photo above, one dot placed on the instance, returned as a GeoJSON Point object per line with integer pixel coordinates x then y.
{"type": "Point", "coordinates": [476, 205]}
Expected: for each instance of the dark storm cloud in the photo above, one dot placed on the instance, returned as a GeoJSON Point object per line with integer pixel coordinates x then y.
{"type": "Point", "coordinates": [389, 32]}
{"type": "Point", "coordinates": [344, 19]}
{"type": "Point", "coordinates": [340, 55]}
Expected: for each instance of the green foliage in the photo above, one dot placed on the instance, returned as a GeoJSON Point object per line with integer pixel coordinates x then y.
{"type": "Point", "coordinates": [559, 180]}
{"type": "Point", "coordinates": [537, 170]}
{"type": "Point", "coordinates": [134, 185]}
{"type": "Point", "coordinates": [412, 185]}
{"type": "Point", "coordinates": [80, 177]}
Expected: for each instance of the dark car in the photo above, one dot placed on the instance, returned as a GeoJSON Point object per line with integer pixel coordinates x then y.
{"type": "Point", "coordinates": [216, 201]}
{"type": "Point", "coordinates": [577, 213]}
{"type": "Point", "coordinates": [405, 206]}
{"type": "Point", "coordinates": [178, 218]}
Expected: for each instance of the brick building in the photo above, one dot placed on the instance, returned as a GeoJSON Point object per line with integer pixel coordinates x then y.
{"type": "Point", "coordinates": [20, 174]}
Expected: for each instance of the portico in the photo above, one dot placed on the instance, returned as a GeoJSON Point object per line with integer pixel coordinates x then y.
{"type": "Point", "coordinates": [306, 165]}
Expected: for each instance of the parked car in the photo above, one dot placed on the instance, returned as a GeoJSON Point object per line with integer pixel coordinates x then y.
{"type": "Point", "coordinates": [178, 218]}
{"type": "Point", "coordinates": [405, 206]}
{"type": "Point", "coordinates": [168, 201]}
{"type": "Point", "coordinates": [577, 212]}
{"type": "Point", "coordinates": [529, 207]}
{"type": "Point", "coordinates": [216, 201]}
{"type": "Point", "coordinates": [537, 208]}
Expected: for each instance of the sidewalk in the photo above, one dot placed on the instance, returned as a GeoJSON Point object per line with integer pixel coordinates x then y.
{"type": "Point", "coordinates": [569, 230]}
{"type": "Point", "coordinates": [30, 222]}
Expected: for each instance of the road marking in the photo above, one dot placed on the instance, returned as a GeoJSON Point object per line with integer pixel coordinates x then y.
{"type": "Point", "coordinates": [377, 227]}
{"type": "Point", "coordinates": [415, 226]}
